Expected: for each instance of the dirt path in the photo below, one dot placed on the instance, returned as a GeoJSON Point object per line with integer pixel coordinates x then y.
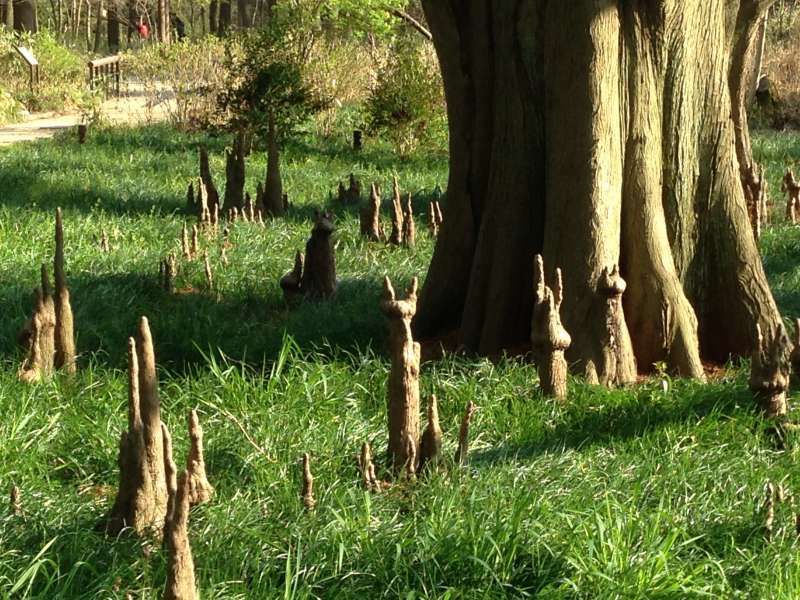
{"type": "Point", "coordinates": [131, 107]}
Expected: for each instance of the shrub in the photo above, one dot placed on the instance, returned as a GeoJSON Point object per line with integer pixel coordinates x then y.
{"type": "Point", "coordinates": [188, 76]}
{"type": "Point", "coordinates": [264, 79]}
{"type": "Point", "coordinates": [344, 71]}
{"type": "Point", "coordinates": [10, 108]}
{"type": "Point", "coordinates": [407, 102]}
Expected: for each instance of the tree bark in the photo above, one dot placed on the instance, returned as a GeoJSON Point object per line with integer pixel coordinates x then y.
{"type": "Point", "coordinates": [744, 34]}
{"type": "Point", "coordinates": [24, 16]}
{"type": "Point", "coordinates": [224, 21]}
{"type": "Point", "coordinates": [98, 28]}
{"type": "Point", "coordinates": [244, 14]}
{"type": "Point", "coordinates": [162, 21]}
{"type": "Point", "coordinates": [213, 14]}
{"type": "Point", "coordinates": [112, 28]}
{"type": "Point", "coordinates": [597, 133]}
{"type": "Point", "coordinates": [273, 186]}
{"type": "Point", "coordinates": [7, 13]}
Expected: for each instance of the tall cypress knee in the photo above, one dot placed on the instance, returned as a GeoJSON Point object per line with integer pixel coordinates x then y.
{"type": "Point", "coordinates": [142, 498]}
{"type": "Point", "coordinates": [403, 384]}
{"type": "Point", "coordinates": [273, 187]}
{"type": "Point", "coordinates": [64, 333]}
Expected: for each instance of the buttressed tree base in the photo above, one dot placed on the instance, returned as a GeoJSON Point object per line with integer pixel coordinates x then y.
{"type": "Point", "coordinates": [598, 134]}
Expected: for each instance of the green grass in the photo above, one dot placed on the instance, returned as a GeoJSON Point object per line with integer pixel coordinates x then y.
{"type": "Point", "coordinates": [652, 492]}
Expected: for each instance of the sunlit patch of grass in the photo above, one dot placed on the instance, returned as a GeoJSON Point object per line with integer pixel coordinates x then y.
{"type": "Point", "coordinates": [649, 492]}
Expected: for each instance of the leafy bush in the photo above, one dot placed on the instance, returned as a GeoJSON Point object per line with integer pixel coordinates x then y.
{"type": "Point", "coordinates": [10, 108]}
{"type": "Point", "coordinates": [407, 102]}
{"type": "Point", "coordinates": [61, 71]}
{"type": "Point", "coordinates": [186, 76]}
{"type": "Point", "coordinates": [265, 78]}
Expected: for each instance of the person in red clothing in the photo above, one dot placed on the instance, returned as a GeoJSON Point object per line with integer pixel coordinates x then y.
{"type": "Point", "coordinates": [143, 30]}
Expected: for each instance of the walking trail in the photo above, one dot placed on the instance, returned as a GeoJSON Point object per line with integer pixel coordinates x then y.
{"type": "Point", "coordinates": [131, 107]}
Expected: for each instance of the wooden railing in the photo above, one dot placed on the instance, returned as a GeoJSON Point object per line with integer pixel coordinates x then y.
{"type": "Point", "coordinates": [33, 65]}
{"type": "Point", "coordinates": [103, 71]}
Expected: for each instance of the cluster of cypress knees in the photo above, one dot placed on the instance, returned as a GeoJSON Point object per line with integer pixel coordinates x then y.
{"type": "Point", "coordinates": [153, 499]}
{"type": "Point", "coordinates": [757, 197]}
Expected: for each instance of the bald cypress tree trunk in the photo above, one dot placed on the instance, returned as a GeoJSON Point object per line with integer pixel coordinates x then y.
{"type": "Point", "coordinates": [597, 132]}
{"type": "Point", "coordinates": [112, 28]}
{"type": "Point", "coordinates": [24, 16]}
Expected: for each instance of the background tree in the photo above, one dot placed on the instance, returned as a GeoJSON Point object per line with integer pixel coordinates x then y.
{"type": "Point", "coordinates": [268, 96]}
{"type": "Point", "coordinates": [25, 15]}
{"type": "Point", "coordinates": [597, 133]}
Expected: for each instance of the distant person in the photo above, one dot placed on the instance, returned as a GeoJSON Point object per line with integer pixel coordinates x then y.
{"type": "Point", "coordinates": [178, 26]}
{"type": "Point", "coordinates": [143, 30]}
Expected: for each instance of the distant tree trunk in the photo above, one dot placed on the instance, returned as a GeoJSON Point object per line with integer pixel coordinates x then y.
{"type": "Point", "coordinates": [98, 28]}
{"type": "Point", "coordinates": [273, 188]}
{"type": "Point", "coordinates": [597, 133]}
{"type": "Point", "coordinates": [112, 25]}
{"type": "Point", "coordinates": [213, 14]}
{"type": "Point", "coordinates": [7, 14]}
{"type": "Point", "coordinates": [162, 21]}
{"type": "Point", "coordinates": [24, 15]}
{"type": "Point", "coordinates": [243, 13]}
{"type": "Point", "coordinates": [224, 22]}
{"type": "Point", "coordinates": [131, 19]}
{"type": "Point", "coordinates": [88, 24]}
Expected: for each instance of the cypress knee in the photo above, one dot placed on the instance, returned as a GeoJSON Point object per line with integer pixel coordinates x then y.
{"type": "Point", "coordinates": [431, 444]}
{"type": "Point", "coordinates": [548, 337]}
{"type": "Point", "coordinates": [211, 194]}
{"type": "Point", "coordinates": [403, 384]}
{"type": "Point", "coordinates": [619, 362]}
{"type": "Point", "coordinates": [64, 331]}
{"type": "Point", "coordinates": [769, 372]}
{"type": "Point", "coordinates": [409, 227]}
{"type": "Point", "coordinates": [290, 283]}
{"type": "Point", "coordinates": [792, 190]}
{"type": "Point", "coordinates": [319, 271]}
{"type": "Point", "coordinates": [462, 452]}
{"type": "Point", "coordinates": [200, 490]}
{"type": "Point", "coordinates": [350, 194]}
{"type": "Point", "coordinates": [370, 216]}
{"type": "Point", "coordinates": [38, 335]}
{"type": "Point", "coordinates": [141, 502]}
{"type": "Point", "coordinates": [180, 562]}
{"type": "Point", "coordinates": [308, 484]}
{"type": "Point", "coordinates": [396, 236]}
{"type": "Point", "coordinates": [235, 174]}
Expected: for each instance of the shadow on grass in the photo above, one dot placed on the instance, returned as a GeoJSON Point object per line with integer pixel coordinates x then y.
{"type": "Point", "coordinates": [244, 326]}
{"type": "Point", "coordinates": [609, 423]}
{"type": "Point", "coordinates": [127, 171]}
{"type": "Point", "coordinates": [84, 558]}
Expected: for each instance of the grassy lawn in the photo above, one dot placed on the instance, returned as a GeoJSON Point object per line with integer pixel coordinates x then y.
{"type": "Point", "coordinates": [651, 492]}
